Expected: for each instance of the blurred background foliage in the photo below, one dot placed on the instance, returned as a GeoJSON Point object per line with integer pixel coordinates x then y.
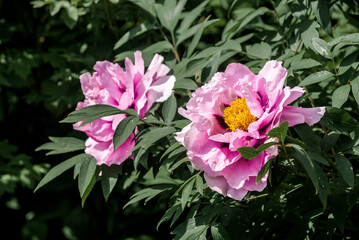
{"type": "Point", "coordinates": [45, 45]}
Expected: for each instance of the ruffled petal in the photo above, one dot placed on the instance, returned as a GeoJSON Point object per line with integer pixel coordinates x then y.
{"type": "Point", "coordinates": [274, 74]}
{"type": "Point", "coordinates": [298, 115]}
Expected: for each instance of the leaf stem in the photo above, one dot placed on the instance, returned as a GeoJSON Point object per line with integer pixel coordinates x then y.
{"type": "Point", "coordinates": [174, 49]}
{"type": "Point", "coordinates": [255, 197]}
{"type": "Point", "coordinates": [296, 50]}
{"type": "Point", "coordinates": [149, 124]}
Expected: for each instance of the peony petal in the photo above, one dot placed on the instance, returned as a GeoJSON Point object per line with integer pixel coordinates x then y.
{"type": "Point", "coordinates": [239, 172]}
{"type": "Point", "coordinates": [139, 65]}
{"type": "Point", "coordinates": [104, 154]}
{"type": "Point", "coordinates": [295, 93]}
{"type": "Point", "coordinates": [251, 184]}
{"type": "Point", "coordinates": [274, 74]}
{"type": "Point", "coordinates": [161, 90]}
{"type": "Point", "coordinates": [237, 194]}
{"type": "Point", "coordinates": [218, 184]}
{"type": "Point", "coordinates": [298, 115]}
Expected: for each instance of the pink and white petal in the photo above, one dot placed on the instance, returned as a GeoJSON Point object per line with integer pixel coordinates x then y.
{"type": "Point", "coordinates": [239, 172]}
{"type": "Point", "coordinates": [161, 90]}
{"type": "Point", "coordinates": [253, 100]}
{"type": "Point", "coordinates": [180, 135]}
{"type": "Point", "coordinates": [237, 194]}
{"type": "Point", "coordinates": [104, 154]}
{"type": "Point", "coordinates": [130, 74]}
{"type": "Point", "coordinates": [295, 93]}
{"type": "Point", "coordinates": [298, 115]}
{"type": "Point", "coordinates": [218, 184]}
{"type": "Point", "coordinates": [111, 86]}
{"type": "Point", "coordinates": [251, 184]}
{"type": "Point", "coordinates": [236, 72]}
{"type": "Point", "coordinates": [100, 130]}
{"type": "Point", "coordinates": [222, 138]}
{"type": "Point", "coordinates": [89, 86]}
{"type": "Point", "coordinates": [275, 75]}
{"type": "Point", "coordinates": [139, 65]}
{"type": "Point", "coordinates": [126, 101]}
{"type": "Point", "coordinates": [255, 127]}
{"type": "Point", "coordinates": [259, 87]}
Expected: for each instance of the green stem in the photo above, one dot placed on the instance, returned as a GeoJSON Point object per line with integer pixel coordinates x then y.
{"type": "Point", "coordinates": [149, 124]}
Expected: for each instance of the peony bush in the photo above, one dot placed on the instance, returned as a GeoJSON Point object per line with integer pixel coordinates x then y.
{"type": "Point", "coordinates": [236, 120]}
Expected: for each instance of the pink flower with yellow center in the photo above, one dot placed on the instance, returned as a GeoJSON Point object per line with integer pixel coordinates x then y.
{"type": "Point", "coordinates": [236, 109]}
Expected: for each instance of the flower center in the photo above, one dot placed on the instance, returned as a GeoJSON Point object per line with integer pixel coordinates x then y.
{"type": "Point", "coordinates": [238, 116]}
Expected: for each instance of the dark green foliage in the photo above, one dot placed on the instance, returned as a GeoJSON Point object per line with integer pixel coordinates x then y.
{"type": "Point", "coordinates": [313, 184]}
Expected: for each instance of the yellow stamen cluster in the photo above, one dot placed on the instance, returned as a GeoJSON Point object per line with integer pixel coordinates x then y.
{"type": "Point", "coordinates": [238, 116]}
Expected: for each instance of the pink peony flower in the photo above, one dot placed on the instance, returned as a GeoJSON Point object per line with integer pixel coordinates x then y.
{"type": "Point", "coordinates": [236, 109]}
{"type": "Point", "coordinates": [133, 88]}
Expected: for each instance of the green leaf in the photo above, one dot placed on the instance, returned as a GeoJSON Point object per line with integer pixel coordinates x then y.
{"type": "Point", "coordinates": [169, 13]}
{"type": "Point", "coordinates": [169, 109]}
{"type": "Point", "coordinates": [306, 63]}
{"type": "Point", "coordinates": [199, 184]}
{"type": "Point", "coordinates": [123, 130]}
{"type": "Point", "coordinates": [244, 19]}
{"type": "Point", "coordinates": [259, 51]}
{"type": "Point", "coordinates": [170, 149]}
{"type": "Point", "coordinates": [219, 232]}
{"type": "Point", "coordinates": [307, 135]}
{"type": "Point", "coordinates": [62, 167]}
{"type": "Point", "coordinates": [94, 112]}
{"type": "Point", "coordinates": [308, 32]}
{"type": "Point", "coordinates": [147, 5]}
{"type": "Point", "coordinates": [340, 96]}
{"type": "Point", "coordinates": [178, 163]}
{"type": "Point", "coordinates": [186, 192]}
{"type": "Point", "coordinates": [62, 145]}
{"type": "Point", "coordinates": [342, 41]}
{"type": "Point", "coordinates": [318, 158]}
{"type": "Point", "coordinates": [77, 170]}
{"type": "Point", "coordinates": [109, 179]}
{"type": "Point", "coordinates": [322, 47]}
{"type": "Point", "coordinates": [316, 78]}
{"type": "Point", "coordinates": [89, 187]}
{"type": "Point", "coordinates": [197, 36]}
{"type": "Point", "coordinates": [345, 168]}
{"type": "Point", "coordinates": [67, 16]}
{"type": "Point", "coordinates": [189, 17]}
{"type": "Point", "coordinates": [72, 13]}
{"type": "Point", "coordinates": [315, 173]}
{"type": "Point", "coordinates": [251, 152]}
{"type": "Point", "coordinates": [134, 32]}
{"type": "Point", "coordinates": [87, 171]}
{"type": "Point", "coordinates": [350, 38]}
{"type": "Point", "coordinates": [279, 132]}
{"type": "Point", "coordinates": [185, 83]}
{"type": "Point", "coordinates": [153, 136]}
{"type": "Point", "coordinates": [329, 141]}
{"type": "Point", "coordinates": [168, 214]}
{"type": "Point", "coordinates": [339, 210]}
{"type": "Point", "coordinates": [321, 12]}
{"type": "Point", "coordinates": [355, 89]}
{"type": "Point", "coordinates": [158, 47]}
{"type": "Point", "coordinates": [339, 120]}
{"type": "Point", "coordinates": [263, 170]}
{"type": "Point", "coordinates": [56, 6]}
{"type": "Point", "coordinates": [147, 193]}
